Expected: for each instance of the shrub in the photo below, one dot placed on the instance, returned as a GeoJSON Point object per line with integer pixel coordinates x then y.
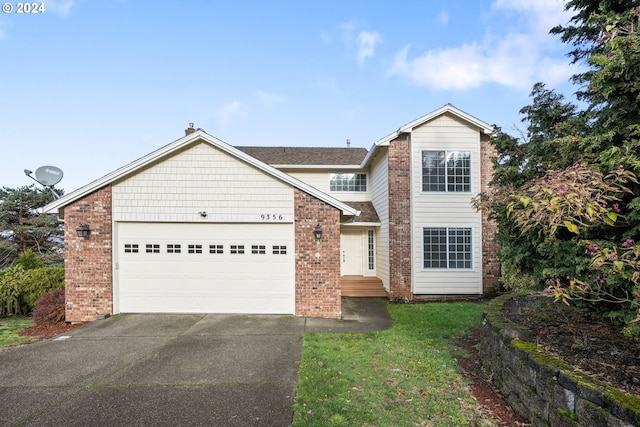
{"type": "Point", "coordinates": [28, 261]}
{"type": "Point", "coordinates": [49, 308]}
{"type": "Point", "coordinates": [20, 288]}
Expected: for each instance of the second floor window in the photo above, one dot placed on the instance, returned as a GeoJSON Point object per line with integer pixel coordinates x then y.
{"type": "Point", "coordinates": [446, 171]}
{"type": "Point", "coordinates": [348, 182]}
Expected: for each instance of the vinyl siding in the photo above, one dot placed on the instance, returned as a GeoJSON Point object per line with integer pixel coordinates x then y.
{"type": "Point", "coordinates": [201, 178]}
{"type": "Point", "coordinates": [445, 209]}
{"type": "Point", "coordinates": [379, 187]}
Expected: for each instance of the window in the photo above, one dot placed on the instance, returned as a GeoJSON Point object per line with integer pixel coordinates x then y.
{"type": "Point", "coordinates": [446, 171]}
{"type": "Point", "coordinates": [130, 248]}
{"type": "Point", "coordinates": [279, 250]}
{"type": "Point", "coordinates": [216, 249]}
{"type": "Point", "coordinates": [258, 249]}
{"type": "Point", "coordinates": [348, 182]}
{"type": "Point", "coordinates": [152, 248]}
{"type": "Point", "coordinates": [370, 250]}
{"type": "Point", "coordinates": [236, 249]}
{"type": "Point", "coordinates": [194, 249]}
{"type": "Point", "coordinates": [447, 247]}
{"type": "Point", "coordinates": [173, 248]}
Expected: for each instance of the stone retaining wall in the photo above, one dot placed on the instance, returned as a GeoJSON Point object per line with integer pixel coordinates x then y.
{"type": "Point", "coordinates": [541, 388]}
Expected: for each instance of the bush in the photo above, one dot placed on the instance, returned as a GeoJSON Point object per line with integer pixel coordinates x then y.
{"type": "Point", "coordinates": [28, 261]}
{"type": "Point", "coordinates": [49, 308]}
{"type": "Point", "coordinates": [20, 288]}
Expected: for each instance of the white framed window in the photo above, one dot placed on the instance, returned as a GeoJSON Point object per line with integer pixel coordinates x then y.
{"type": "Point", "coordinates": [236, 249]}
{"type": "Point", "coordinates": [446, 171]}
{"type": "Point", "coordinates": [194, 249]}
{"type": "Point", "coordinates": [174, 248]}
{"type": "Point", "coordinates": [447, 247]}
{"type": "Point", "coordinates": [216, 249]}
{"type": "Point", "coordinates": [279, 250]}
{"type": "Point", "coordinates": [258, 249]}
{"type": "Point", "coordinates": [130, 248]}
{"type": "Point", "coordinates": [152, 248]}
{"type": "Point", "coordinates": [354, 182]}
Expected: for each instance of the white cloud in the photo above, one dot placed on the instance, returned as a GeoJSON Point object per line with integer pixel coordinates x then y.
{"type": "Point", "coordinates": [519, 56]}
{"type": "Point", "coordinates": [268, 98]}
{"type": "Point", "coordinates": [228, 112]}
{"type": "Point", "coordinates": [367, 42]}
{"type": "Point", "coordinates": [443, 17]}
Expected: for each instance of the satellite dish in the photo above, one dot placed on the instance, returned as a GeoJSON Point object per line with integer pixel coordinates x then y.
{"type": "Point", "coordinates": [48, 175]}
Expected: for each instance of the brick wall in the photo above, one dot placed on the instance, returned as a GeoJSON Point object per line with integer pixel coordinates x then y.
{"type": "Point", "coordinates": [490, 248]}
{"type": "Point", "coordinates": [400, 218]}
{"type": "Point", "coordinates": [88, 261]}
{"type": "Point", "coordinates": [317, 262]}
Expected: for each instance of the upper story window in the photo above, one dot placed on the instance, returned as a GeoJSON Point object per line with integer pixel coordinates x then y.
{"type": "Point", "coordinates": [348, 182]}
{"type": "Point", "coordinates": [446, 171]}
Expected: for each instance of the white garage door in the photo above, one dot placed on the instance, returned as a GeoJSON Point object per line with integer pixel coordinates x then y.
{"type": "Point", "coordinates": [205, 268]}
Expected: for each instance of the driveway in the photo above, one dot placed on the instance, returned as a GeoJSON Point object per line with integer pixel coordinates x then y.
{"type": "Point", "coordinates": [169, 369]}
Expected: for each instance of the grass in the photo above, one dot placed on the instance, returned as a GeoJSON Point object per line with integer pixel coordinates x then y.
{"type": "Point", "coordinates": [9, 328]}
{"type": "Point", "coordinates": [404, 376]}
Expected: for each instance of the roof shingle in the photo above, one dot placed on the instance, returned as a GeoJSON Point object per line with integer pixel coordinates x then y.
{"type": "Point", "coordinates": [335, 156]}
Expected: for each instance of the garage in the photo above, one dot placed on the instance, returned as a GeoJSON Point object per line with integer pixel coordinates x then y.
{"type": "Point", "coordinates": [205, 268]}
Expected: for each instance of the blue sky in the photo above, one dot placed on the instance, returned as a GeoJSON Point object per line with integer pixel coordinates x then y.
{"type": "Point", "coordinates": [91, 85]}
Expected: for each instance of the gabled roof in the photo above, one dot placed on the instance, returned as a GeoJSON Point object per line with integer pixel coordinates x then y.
{"type": "Point", "coordinates": [306, 156]}
{"type": "Point", "coordinates": [448, 108]}
{"type": "Point", "coordinates": [181, 143]}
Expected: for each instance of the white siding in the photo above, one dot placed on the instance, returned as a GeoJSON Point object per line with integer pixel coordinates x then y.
{"type": "Point", "coordinates": [445, 209]}
{"type": "Point", "coordinates": [202, 179]}
{"type": "Point", "coordinates": [320, 180]}
{"type": "Point", "coordinates": [379, 187]}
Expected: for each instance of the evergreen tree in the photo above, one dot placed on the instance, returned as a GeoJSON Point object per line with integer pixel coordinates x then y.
{"type": "Point", "coordinates": [23, 228]}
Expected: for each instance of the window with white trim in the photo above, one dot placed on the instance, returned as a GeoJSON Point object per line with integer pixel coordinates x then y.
{"type": "Point", "coordinates": [216, 249]}
{"type": "Point", "coordinates": [130, 248]}
{"type": "Point", "coordinates": [152, 248]}
{"type": "Point", "coordinates": [258, 249]}
{"type": "Point", "coordinates": [447, 247]}
{"type": "Point", "coordinates": [356, 182]}
{"type": "Point", "coordinates": [279, 250]}
{"type": "Point", "coordinates": [446, 171]}
{"type": "Point", "coordinates": [236, 249]}
{"type": "Point", "coordinates": [194, 249]}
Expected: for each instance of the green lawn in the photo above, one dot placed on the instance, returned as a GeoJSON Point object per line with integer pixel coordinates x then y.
{"type": "Point", "coordinates": [405, 376]}
{"type": "Point", "coordinates": [9, 328]}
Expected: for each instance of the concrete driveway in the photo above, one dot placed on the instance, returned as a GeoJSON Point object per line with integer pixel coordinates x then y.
{"type": "Point", "coordinates": [164, 369]}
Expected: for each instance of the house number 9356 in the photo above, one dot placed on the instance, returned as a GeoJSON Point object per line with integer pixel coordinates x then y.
{"type": "Point", "coordinates": [271, 217]}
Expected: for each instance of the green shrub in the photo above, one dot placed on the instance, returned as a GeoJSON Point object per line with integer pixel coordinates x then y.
{"type": "Point", "coordinates": [28, 261]}
{"type": "Point", "coordinates": [20, 288]}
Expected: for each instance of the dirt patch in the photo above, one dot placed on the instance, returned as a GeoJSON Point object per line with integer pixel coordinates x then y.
{"type": "Point", "coordinates": [589, 344]}
{"type": "Point", "coordinates": [495, 408]}
{"type": "Point", "coordinates": [44, 332]}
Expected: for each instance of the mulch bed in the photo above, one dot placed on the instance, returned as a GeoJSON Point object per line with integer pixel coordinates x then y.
{"type": "Point", "coordinates": [593, 346]}
{"type": "Point", "coordinates": [44, 332]}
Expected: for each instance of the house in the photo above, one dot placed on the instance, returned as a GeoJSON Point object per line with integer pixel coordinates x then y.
{"type": "Point", "coordinates": [203, 226]}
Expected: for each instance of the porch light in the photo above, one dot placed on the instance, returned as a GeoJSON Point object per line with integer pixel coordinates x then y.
{"type": "Point", "coordinates": [318, 232]}
{"type": "Point", "coordinates": [83, 230]}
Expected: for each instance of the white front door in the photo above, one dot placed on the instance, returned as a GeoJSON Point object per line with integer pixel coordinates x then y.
{"type": "Point", "coordinates": [351, 253]}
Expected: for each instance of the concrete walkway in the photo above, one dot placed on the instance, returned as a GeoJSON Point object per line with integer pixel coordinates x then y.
{"type": "Point", "coordinates": [164, 369]}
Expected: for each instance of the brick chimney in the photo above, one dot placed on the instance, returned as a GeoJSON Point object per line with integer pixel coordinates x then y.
{"type": "Point", "coordinates": [189, 130]}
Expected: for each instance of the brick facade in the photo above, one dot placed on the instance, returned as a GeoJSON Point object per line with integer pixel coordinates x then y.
{"type": "Point", "coordinates": [317, 262]}
{"type": "Point", "coordinates": [88, 261]}
{"type": "Point", "coordinates": [490, 248]}
{"type": "Point", "coordinates": [400, 218]}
